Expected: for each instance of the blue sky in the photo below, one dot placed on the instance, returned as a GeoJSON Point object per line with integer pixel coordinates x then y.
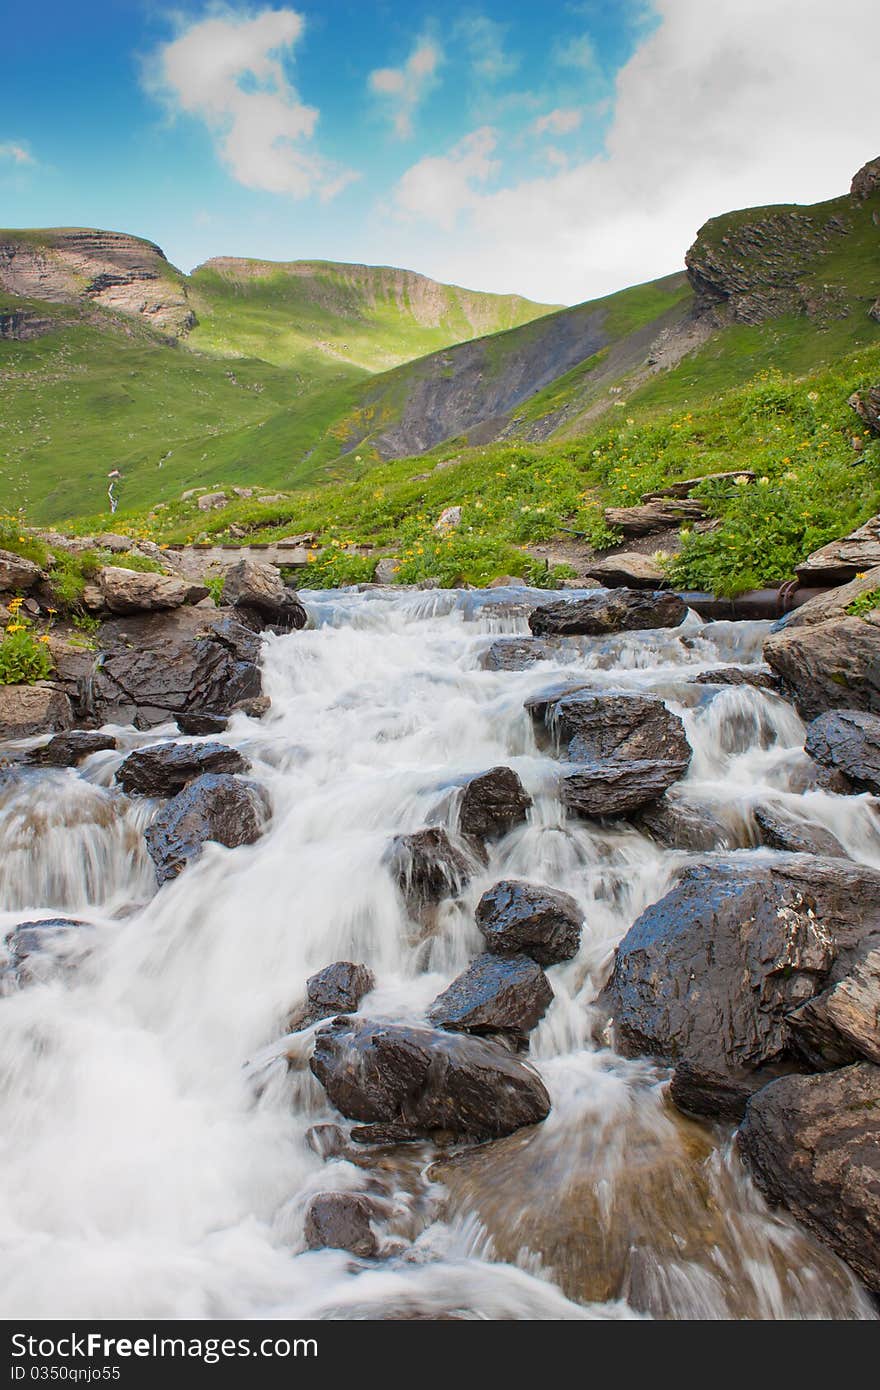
{"type": "Point", "coordinates": [561, 151]}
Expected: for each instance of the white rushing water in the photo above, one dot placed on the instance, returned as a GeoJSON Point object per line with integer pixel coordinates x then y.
{"type": "Point", "coordinates": [153, 1160]}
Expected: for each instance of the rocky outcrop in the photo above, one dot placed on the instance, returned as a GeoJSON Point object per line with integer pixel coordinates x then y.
{"type": "Point", "coordinates": [337, 989]}
{"type": "Point", "coordinates": [528, 918]}
{"type": "Point", "coordinates": [33, 709]}
{"type": "Point", "coordinates": [708, 977]}
{"type": "Point", "coordinates": [164, 769]}
{"type": "Point", "coordinates": [24, 325]}
{"type": "Point", "coordinates": [216, 806]}
{"type": "Point", "coordinates": [17, 574]}
{"type": "Point", "coordinates": [428, 867]}
{"type": "Point", "coordinates": [650, 517]}
{"type": "Point", "coordinates": [830, 665]}
{"type": "Point", "coordinates": [603, 727]}
{"type": "Point", "coordinates": [754, 268]}
{"type": "Point", "coordinates": [866, 404]}
{"type": "Point", "coordinates": [617, 610]}
{"type": "Point", "coordinates": [812, 1144]}
{"type": "Point", "coordinates": [341, 1221]}
{"type": "Point", "coordinates": [866, 181]}
{"type": "Point", "coordinates": [492, 804]}
{"type": "Point", "coordinates": [496, 994]}
{"type": "Point", "coordinates": [778, 830]}
{"type": "Point", "coordinates": [421, 1080]}
{"type": "Point", "coordinates": [628, 569]}
{"type": "Point", "coordinates": [842, 1024]}
{"type": "Point", "coordinates": [256, 585]}
{"type": "Point", "coordinates": [134, 591]}
{"type": "Point", "coordinates": [72, 265]}
{"type": "Point", "coordinates": [840, 561]}
{"type": "Point", "coordinates": [849, 742]}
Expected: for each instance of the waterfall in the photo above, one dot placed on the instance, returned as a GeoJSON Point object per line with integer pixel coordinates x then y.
{"type": "Point", "coordinates": [154, 1110]}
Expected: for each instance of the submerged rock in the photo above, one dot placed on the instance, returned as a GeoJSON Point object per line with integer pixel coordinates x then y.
{"type": "Point", "coordinates": [849, 742]}
{"type": "Point", "coordinates": [679, 824]}
{"type": "Point", "coordinates": [812, 1144]}
{"type": "Point", "coordinates": [707, 977]}
{"type": "Point", "coordinates": [216, 806]}
{"type": "Point", "coordinates": [516, 917]}
{"type": "Point", "coordinates": [427, 866]}
{"type": "Point", "coordinates": [739, 675]}
{"type": "Point", "coordinates": [598, 728]}
{"type": "Point", "coordinates": [341, 1221]}
{"type": "Point", "coordinates": [493, 803]}
{"type": "Point", "coordinates": [165, 768]}
{"type": "Point", "coordinates": [612, 610]}
{"type": "Point", "coordinates": [782, 831]}
{"type": "Point", "coordinates": [496, 994]}
{"type": "Point", "coordinates": [518, 653]}
{"type": "Point", "coordinates": [421, 1080]}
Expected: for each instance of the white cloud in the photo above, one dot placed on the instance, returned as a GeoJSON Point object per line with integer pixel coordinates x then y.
{"type": "Point", "coordinates": [404, 88]}
{"type": "Point", "coordinates": [562, 121]}
{"type": "Point", "coordinates": [577, 53]}
{"type": "Point", "coordinates": [483, 39]}
{"type": "Point", "coordinates": [731, 105]}
{"type": "Point", "coordinates": [228, 72]}
{"type": "Point", "coordinates": [16, 153]}
{"type": "Point", "coordinates": [439, 189]}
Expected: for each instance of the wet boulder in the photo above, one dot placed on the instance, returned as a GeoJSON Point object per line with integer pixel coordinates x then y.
{"type": "Point", "coordinates": [165, 768]}
{"type": "Point", "coordinates": [677, 823]}
{"type": "Point", "coordinates": [812, 1145]}
{"type": "Point", "coordinates": [496, 994]}
{"type": "Point", "coordinates": [707, 977]}
{"type": "Point", "coordinates": [618, 788]}
{"type": "Point", "coordinates": [528, 918]}
{"type": "Point", "coordinates": [341, 1221]}
{"type": "Point", "coordinates": [609, 610]}
{"type": "Point", "coordinates": [829, 665]}
{"type": "Point", "coordinates": [26, 710]}
{"type": "Point", "coordinates": [848, 741]}
{"type": "Point", "coordinates": [428, 866]}
{"type": "Point", "coordinates": [257, 585]}
{"type": "Point", "coordinates": [598, 728]}
{"type": "Point", "coordinates": [68, 749]}
{"type": "Point", "coordinates": [842, 1024]}
{"type": "Point", "coordinates": [198, 723]}
{"type": "Point", "coordinates": [780, 830]}
{"type": "Point", "coordinates": [492, 804]}
{"type": "Point", "coordinates": [134, 591]}
{"type": "Point", "coordinates": [216, 806]}
{"type": "Point", "coordinates": [420, 1080]}
{"type": "Point", "coordinates": [337, 989]}
{"type": "Point", "coordinates": [740, 675]}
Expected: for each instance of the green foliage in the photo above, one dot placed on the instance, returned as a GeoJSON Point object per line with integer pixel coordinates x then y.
{"type": "Point", "coordinates": [336, 567]}
{"type": "Point", "coordinates": [24, 658]}
{"type": "Point", "coordinates": [215, 585]}
{"type": "Point", "coordinates": [865, 603]}
{"type": "Point", "coordinates": [541, 575]}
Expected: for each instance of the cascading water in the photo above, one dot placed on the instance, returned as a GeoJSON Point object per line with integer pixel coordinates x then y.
{"type": "Point", "coordinates": [152, 1143]}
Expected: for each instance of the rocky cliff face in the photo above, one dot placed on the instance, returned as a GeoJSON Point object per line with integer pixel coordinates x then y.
{"type": "Point", "coordinates": [112, 269]}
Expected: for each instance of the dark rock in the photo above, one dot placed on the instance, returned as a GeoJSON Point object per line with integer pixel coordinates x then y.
{"type": "Point", "coordinates": [496, 994]}
{"type": "Point", "coordinates": [782, 831]}
{"type": "Point", "coordinates": [617, 788]}
{"type": "Point", "coordinates": [833, 665]}
{"type": "Point", "coordinates": [254, 707]}
{"type": "Point", "coordinates": [832, 603]}
{"type": "Point", "coordinates": [679, 824]}
{"type": "Point", "coordinates": [849, 742]}
{"type": "Point", "coordinates": [658, 515]}
{"type": "Point", "coordinates": [612, 610]}
{"type": "Point", "coordinates": [17, 573]}
{"type": "Point", "coordinates": [216, 806]}
{"type": "Point", "coordinates": [425, 1080]}
{"type": "Point", "coordinates": [812, 1144]}
{"type": "Point", "coordinates": [256, 585]}
{"type": "Point", "coordinates": [156, 666]}
{"type": "Point", "coordinates": [165, 768]}
{"type": "Point", "coordinates": [738, 675]}
{"type": "Point", "coordinates": [518, 653]}
{"type": "Point", "coordinates": [709, 975]}
{"type": "Point", "coordinates": [866, 181]}
{"type": "Point", "coordinates": [337, 989]}
{"type": "Point", "coordinates": [427, 866]}
{"type": "Point", "coordinates": [341, 1221]}
{"type": "Point", "coordinates": [516, 917]}
{"type": "Point", "coordinates": [327, 1141]}
{"type": "Point", "coordinates": [200, 722]}
{"type": "Point", "coordinates": [842, 1024]}
{"type": "Point", "coordinates": [599, 728]}
{"type": "Point", "coordinates": [66, 750]}
{"type": "Point", "coordinates": [866, 404]}
{"type": "Point", "coordinates": [493, 803]}
{"type": "Point", "coordinates": [840, 561]}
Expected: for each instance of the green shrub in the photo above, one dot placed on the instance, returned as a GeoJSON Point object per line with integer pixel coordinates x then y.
{"type": "Point", "coordinates": [24, 658]}
{"type": "Point", "coordinates": [336, 567]}
{"type": "Point", "coordinates": [864, 603]}
{"type": "Point", "coordinates": [215, 584]}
